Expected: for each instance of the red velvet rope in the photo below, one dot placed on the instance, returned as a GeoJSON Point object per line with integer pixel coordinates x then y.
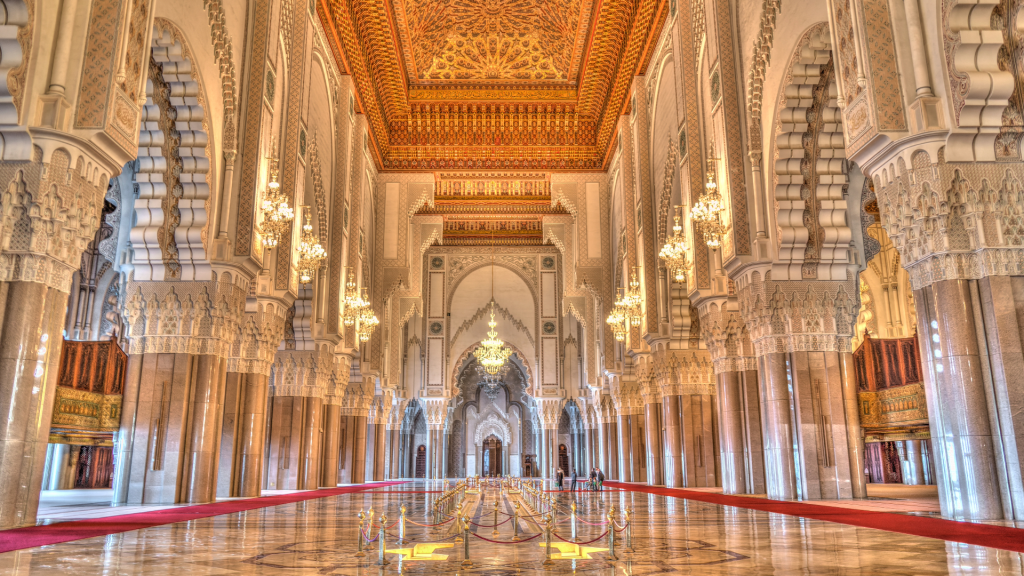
{"type": "Point", "coordinates": [429, 525]}
{"type": "Point", "coordinates": [617, 529]}
{"type": "Point", "coordinates": [506, 541]}
{"type": "Point", "coordinates": [581, 543]}
{"type": "Point", "coordinates": [605, 523]}
{"type": "Point", "coordinates": [488, 525]}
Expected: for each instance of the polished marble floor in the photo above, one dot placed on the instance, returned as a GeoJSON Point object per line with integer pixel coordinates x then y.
{"type": "Point", "coordinates": [670, 536]}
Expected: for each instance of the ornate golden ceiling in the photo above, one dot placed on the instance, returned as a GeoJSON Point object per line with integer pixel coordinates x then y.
{"type": "Point", "coordinates": [492, 84]}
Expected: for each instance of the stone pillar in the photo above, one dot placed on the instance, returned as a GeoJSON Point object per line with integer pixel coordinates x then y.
{"type": "Point", "coordinates": [948, 314]}
{"type": "Point", "coordinates": [730, 406]}
{"type": "Point", "coordinates": [330, 470]}
{"type": "Point", "coordinates": [380, 450]}
{"type": "Point", "coordinates": [205, 411]}
{"type": "Point", "coordinates": [753, 444]}
{"type": "Point", "coordinates": [637, 453]}
{"type": "Point", "coordinates": [674, 450]}
{"type": "Point", "coordinates": [30, 344]}
{"type": "Point", "coordinates": [359, 450]}
{"type": "Point", "coordinates": [308, 477]}
{"type": "Point", "coordinates": [125, 434]}
{"type": "Point", "coordinates": [854, 435]}
{"type": "Point", "coordinates": [625, 447]}
{"type": "Point", "coordinates": [551, 450]}
{"type": "Point", "coordinates": [780, 464]}
{"type": "Point", "coordinates": [614, 447]}
{"type": "Point", "coordinates": [655, 451]}
{"type": "Point", "coordinates": [347, 448]}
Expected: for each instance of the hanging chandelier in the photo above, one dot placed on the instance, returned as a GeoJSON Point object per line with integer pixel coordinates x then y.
{"type": "Point", "coordinates": [492, 382]}
{"type": "Point", "coordinates": [277, 215]}
{"type": "Point", "coordinates": [358, 312]}
{"type": "Point", "coordinates": [674, 252]}
{"type": "Point", "coordinates": [492, 352]}
{"type": "Point", "coordinates": [627, 309]}
{"type": "Point", "coordinates": [367, 319]}
{"type": "Point", "coordinates": [311, 253]}
{"type": "Point", "coordinates": [707, 211]}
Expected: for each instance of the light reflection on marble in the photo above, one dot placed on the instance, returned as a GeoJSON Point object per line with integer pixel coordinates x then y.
{"type": "Point", "coordinates": [670, 536]}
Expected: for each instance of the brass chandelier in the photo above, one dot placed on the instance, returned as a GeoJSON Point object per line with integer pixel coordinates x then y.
{"type": "Point", "coordinates": [674, 252]}
{"type": "Point", "coordinates": [358, 312]}
{"type": "Point", "coordinates": [707, 211]}
{"type": "Point", "coordinates": [277, 215]}
{"type": "Point", "coordinates": [627, 309]}
{"type": "Point", "coordinates": [492, 353]}
{"type": "Point", "coordinates": [311, 253]}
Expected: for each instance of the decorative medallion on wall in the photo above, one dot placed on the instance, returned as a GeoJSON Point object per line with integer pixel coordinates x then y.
{"type": "Point", "coordinates": [547, 263]}
{"type": "Point", "coordinates": [435, 328]}
{"type": "Point", "coordinates": [346, 217]}
{"type": "Point", "coordinates": [549, 327]}
{"type": "Point", "coordinates": [270, 87]}
{"type": "Point", "coordinates": [437, 262]}
{"type": "Point", "coordinates": [716, 86]}
{"type": "Point", "coordinates": [302, 142]}
{"type": "Point", "coordinates": [682, 142]}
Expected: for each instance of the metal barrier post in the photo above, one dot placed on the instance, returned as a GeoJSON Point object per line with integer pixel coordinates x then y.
{"type": "Point", "coordinates": [383, 560]}
{"type": "Point", "coordinates": [359, 552]}
{"type": "Point", "coordinates": [611, 534]}
{"type": "Point", "coordinates": [458, 524]}
{"type": "Point", "coordinates": [465, 523]}
{"type": "Point", "coordinates": [495, 531]}
{"type": "Point", "coordinates": [547, 540]}
{"type": "Point", "coordinates": [515, 523]}
{"type": "Point", "coordinates": [629, 530]}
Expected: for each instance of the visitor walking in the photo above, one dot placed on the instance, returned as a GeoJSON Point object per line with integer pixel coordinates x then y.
{"type": "Point", "coordinates": [600, 479]}
{"type": "Point", "coordinates": [572, 482]}
{"type": "Point", "coordinates": [558, 479]}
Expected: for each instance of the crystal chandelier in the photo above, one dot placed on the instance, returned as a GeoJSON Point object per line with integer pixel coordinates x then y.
{"type": "Point", "coordinates": [492, 382]}
{"type": "Point", "coordinates": [358, 312]}
{"type": "Point", "coordinates": [707, 212]}
{"type": "Point", "coordinates": [674, 252]}
{"type": "Point", "coordinates": [311, 253]}
{"type": "Point", "coordinates": [627, 309]}
{"type": "Point", "coordinates": [492, 352]}
{"type": "Point", "coordinates": [277, 215]}
{"type": "Point", "coordinates": [367, 320]}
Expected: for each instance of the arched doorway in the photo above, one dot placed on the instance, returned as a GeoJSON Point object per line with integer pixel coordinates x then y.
{"type": "Point", "coordinates": [563, 459]}
{"type": "Point", "coordinates": [421, 461]}
{"type": "Point", "coordinates": [491, 457]}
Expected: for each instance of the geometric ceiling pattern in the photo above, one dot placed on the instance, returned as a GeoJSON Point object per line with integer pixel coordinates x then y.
{"type": "Point", "coordinates": [492, 84]}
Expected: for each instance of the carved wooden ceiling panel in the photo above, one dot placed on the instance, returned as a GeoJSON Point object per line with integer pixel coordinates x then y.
{"type": "Point", "coordinates": [492, 84]}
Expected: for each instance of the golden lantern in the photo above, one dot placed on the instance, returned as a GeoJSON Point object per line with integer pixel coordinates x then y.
{"type": "Point", "coordinates": [311, 253]}
{"type": "Point", "coordinates": [674, 252]}
{"type": "Point", "coordinates": [367, 319]}
{"type": "Point", "coordinates": [618, 320]}
{"type": "Point", "coordinates": [277, 215]}
{"type": "Point", "coordinates": [627, 310]}
{"type": "Point", "coordinates": [358, 312]}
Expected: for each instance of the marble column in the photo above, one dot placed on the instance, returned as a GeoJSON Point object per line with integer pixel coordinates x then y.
{"type": "Point", "coordinates": [346, 454]}
{"type": "Point", "coordinates": [551, 434]}
{"type": "Point", "coordinates": [330, 476]}
{"type": "Point", "coordinates": [655, 453]}
{"type": "Point", "coordinates": [958, 399]}
{"type": "Point", "coordinates": [614, 448]}
{"type": "Point", "coordinates": [730, 406]}
{"type": "Point", "coordinates": [359, 450]}
{"type": "Point", "coordinates": [125, 434]}
{"type": "Point", "coordinates": [780, 463]}
{"type": "Point", "coordinates": [753, 444]}
{"type": "Point", "coordinates": [854, 435]}
{"type": "Point", "coordinates": [379, 452]}
{"type": "Point", "coordinates": [243, 437]}
{"type": "Point", "coordinates": [913, 463]}
{"type": "Point", "coordinates": [30, 344]}
{"type": "Point", "coordinates": [625, 449]}
{"type": "Point", "coordinates": [674, 450]}
{"type": "Point", "coordinates": [310, 450]}
{"type": "Point", "coordinates": [638, 456]}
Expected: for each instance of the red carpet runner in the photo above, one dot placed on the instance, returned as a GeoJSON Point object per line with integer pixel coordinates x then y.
{"type": "Point", "coordinates": [32, 536]}
{"type": "Point", "coordinates": [1001, 537]}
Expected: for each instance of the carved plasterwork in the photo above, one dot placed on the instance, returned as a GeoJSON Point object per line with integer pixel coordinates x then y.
{"type": "Point", "coordinates": [258, 339]}
{"type": "Point", "coordinates": [482, 312]}
{"type": "Point", "coordinates": [726, 336]}
{"type": "Point", "coordinates": [493, 424]}
{"type": "Point", "coordinates": [185, 317]}
{"type": "Point", "coordinates": [953, 220]}
{"type": "Point", "coordinates": [50, 212]}
{"type": "Point", "coordinates": [302, 373]}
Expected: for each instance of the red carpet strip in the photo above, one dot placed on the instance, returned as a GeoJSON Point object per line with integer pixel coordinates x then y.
{"type": "Point", "coordinates": [32, 536]}
{"type": "Point", "coordinates": [1001, 537]}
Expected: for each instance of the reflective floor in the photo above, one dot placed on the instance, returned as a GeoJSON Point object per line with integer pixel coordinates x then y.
{"type": "Point", "coordinates": [670, 536]}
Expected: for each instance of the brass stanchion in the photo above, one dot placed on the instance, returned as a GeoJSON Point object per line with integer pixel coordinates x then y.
{"type": "Point", "coordinates": [573, 516]}
{"type": "Point", "coordinates": [458, 524]}
{"type": "Point", "coordinates": [383, 560]}
{"type": "Point", "coordinates": [515, 523]}
{"type": "Point", "coordinates": [466, 561]}
{"type": "Point", "coordinates": [629, 530]}
{"type": "Point", "coordinates": [547, 540]}
{"type": "Point", "coordinates": [611, 534]}
{"type": "Point", "coordinates": [495, 531]}
{"type": "Point", "coordinates": [359, 552]}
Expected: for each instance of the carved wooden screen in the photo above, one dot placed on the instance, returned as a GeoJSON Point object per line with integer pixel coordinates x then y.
{"type": "Point", "coordinates": [90, 383]}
